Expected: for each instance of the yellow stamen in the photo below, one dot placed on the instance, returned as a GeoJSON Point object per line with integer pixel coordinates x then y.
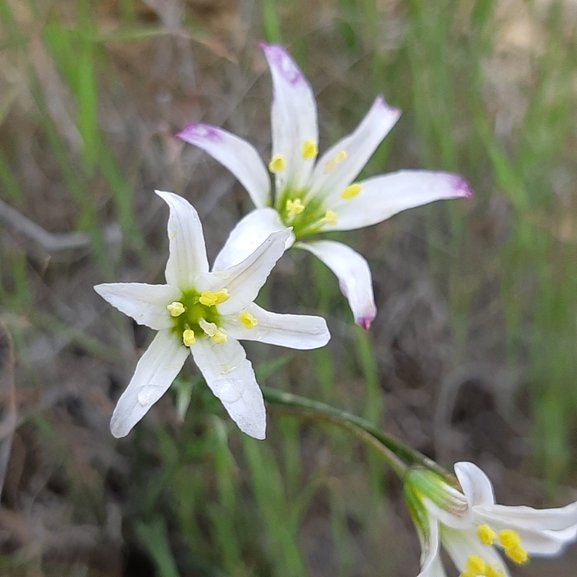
{"type": "Point", "coordinates": [216, 334]}
{"type": "Point", "coordinates": [188, 338]}
{"type": "Point", "coordinates": [468, 574]}
{"type": "Point", "coordinates": [277, 163]}
{"type": "Point", "coordinates": [294, 207]}
{"type": "Point", "coordinates": [219, 337]}
{"type": "Point", "coordinates": [476, 565]}
{"type": "Point", "coordinates": [486, 534]}
{"type": "Point", "coordinates": [492, 572]}
{"type": "Point", "coordinates": [351, 191]}
{"type": "Point", "coordinates": [330, 165]}
{"type": "Point", "coordinates": [209, 328]}
{"type": "Point", "coordinates": [330, 217]}
{"type": "Point", "coordinates": [309, 150]}
{"type": "Point", "coordinates": [175, 309]}
{"type": "Point", "coordinates": [517, 554]}
{"type": "Point", "coordinates": [247, 320]}
{"type": "Point", "coordinates": [340, 156]}
{"type": "Point", "coordinates": [509, 538]}
{"type": "Point", "coordinates": [209, 299]}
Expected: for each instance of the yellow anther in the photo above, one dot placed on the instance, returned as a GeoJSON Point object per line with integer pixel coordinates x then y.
{"type": "Point", "coordinates": [509, 538]}
{"type": "Point", "coordinates": [209, 299]}
{"type": "Point", "coordinates": [188, 338]}
{"type": "Point", "coordinates": [492, 572]}
{"type": "Point", "coordinates": [219, 337]}
{"type": "Point", "coordinates": [468, 574]}
{"type": "Point", "coordinates": [277, 163]}
{"type": "Point", "coordinates": [330, 217]}
{"type": "Point", "coordinates": [294, 207]}
{"type": "Point", "coordinates": [340, 156]}
{"type": "Point", "coordinates": [175, 309]}
{"type": "Point", "coordinates": [517, 554]}
{"type": "Point", "coordinates": [330, 165]}
{"type": "Point", "coordinates": [351, 191]}
{"type": "Point", "coordinates": [247, 320]}
{"type": "Point", "coordinates": [309, 150]}
{"type": "Point", "coordinates": [209, 328]}
{"type": "Point", "coordinates": [486, 534]}
{"type": "Point", "coordinates": [476, 565]}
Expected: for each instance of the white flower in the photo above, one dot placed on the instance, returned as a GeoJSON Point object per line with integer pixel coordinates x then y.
{"type": "Point", "coordinates": [205, 313]}
{"type": "Point", "coordinates": [318, 196]}
{"type": "Point", "coordinates": [470, 525]}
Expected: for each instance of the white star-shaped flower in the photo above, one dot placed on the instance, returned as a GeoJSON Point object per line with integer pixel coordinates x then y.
{"type": "Point", "coordinates": [206, 313]}
{"type": "Point", "coordinates": [314, 196]}
{"type": "Point", "coordinates": [471, 526]}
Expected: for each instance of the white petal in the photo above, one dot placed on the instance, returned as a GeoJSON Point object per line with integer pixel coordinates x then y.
{"type": "Point", "coordinates": [431, 563]}
{"type": "Point", "coordinates": [244, 280]}
{"type": "Point", "coordinates": [476, 485]}
{"type": "Point", "coordinates": [353, 273]}
{"type": "Point", "coordinates": [155, 372]}
{"type": "Point", "coordinates": [250, 232]}
{"type": "Point", "coordinates": [383, 196]}
{"type": "Point", "coordinates": [358, 146]}
{"type": "Point", "coordinates": [293, 116]}
{"type": "Point", "coordinates": [187, 252]}
{"type": "Point", "coordinates": [291, 331]}
{"type": "Point", "coordinates": [231, 378]}
{"type": "Point", "coordinates": [434, 568]}
{"type": "Point", "coordinates": [145, 303]}
{"type": "Point", "coordinates": [555, 519]}
{"type": "Point", "coordinates": [239, 156]}
{"type": "Point", "coordinates": [461, 544]}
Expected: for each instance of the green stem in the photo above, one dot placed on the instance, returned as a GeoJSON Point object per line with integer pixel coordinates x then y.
{"type": "Point", "coordinates": [398, 455]}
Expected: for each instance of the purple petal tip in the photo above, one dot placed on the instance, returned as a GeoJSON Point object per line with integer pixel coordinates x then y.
{"type": "Point", "coordinates": [380, 101]}
{"type": "Point", "coordinates": [365, 322]}
{"type": "Point", "coordinates": [279, 60]}
{"type": "Point", "coordinates": [196, 132]}
{"type": "Point", "coordinates": [462, 188]}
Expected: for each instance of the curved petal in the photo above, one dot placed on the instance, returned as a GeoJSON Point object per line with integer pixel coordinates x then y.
{"type": "Point", "coordinates": [145, 303]}
{"type": "Point", "coordinates": [476, 485]}
{"type": "Point", "coordinates": [155, 372]}
{"type": "Point", "coordinates": [431, 563]}
{"type": "Point", "coordinates": [353, 273]}
{"type": "Point", "coordinates": [250, 232]}
{"type": "Point", "coordinates": [293, 116]}
{"type": "Point", "coordinates": [333, 177]}
{"type": "Point", "coordinates": [556, 519]}
{"type": "Point", "coordinates": [230, 376]}
{"type": "Point", "coordinates": [461, 544]}
{"type": "Point", "coordinates": [187, 252]}
{"type": "Point", "coordinates": [239, 156]}
{"type": "Point", "coordinates": [245, 279]}
{"type": "Point", "coordinates": [383, 196]}
{"type": "Point", "coordinates": [291, 331]}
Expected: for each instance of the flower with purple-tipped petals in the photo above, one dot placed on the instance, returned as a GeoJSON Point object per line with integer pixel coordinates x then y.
{"type": "Point", "coordinates": [314, 195]}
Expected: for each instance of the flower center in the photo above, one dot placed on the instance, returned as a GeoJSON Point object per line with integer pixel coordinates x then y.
{"type": "Point", "coordinates": [195, 315]}
{"type": "Point", "coordinates": [511, 543]}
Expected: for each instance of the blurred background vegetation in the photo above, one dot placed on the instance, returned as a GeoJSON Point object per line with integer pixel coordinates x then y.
{"type": "Point", "coordinates": [471, 356]}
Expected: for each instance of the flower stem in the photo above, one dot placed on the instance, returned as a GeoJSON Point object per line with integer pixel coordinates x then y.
{"type": "Point", "coordinates": [398, 455]}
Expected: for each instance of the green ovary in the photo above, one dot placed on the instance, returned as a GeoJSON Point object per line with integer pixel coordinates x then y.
{"type": "Point", "coordinates": [308, 220]}
{"type": "Point", "coordinates": [194, 312]}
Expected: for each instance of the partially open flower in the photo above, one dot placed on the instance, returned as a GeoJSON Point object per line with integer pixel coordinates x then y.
{"type": "Point", "coordinates": [314, 195]}
{"type": "Point", "coordinates": [206, 313]}
{"type": "Point", "coordinates": [473, 528]}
